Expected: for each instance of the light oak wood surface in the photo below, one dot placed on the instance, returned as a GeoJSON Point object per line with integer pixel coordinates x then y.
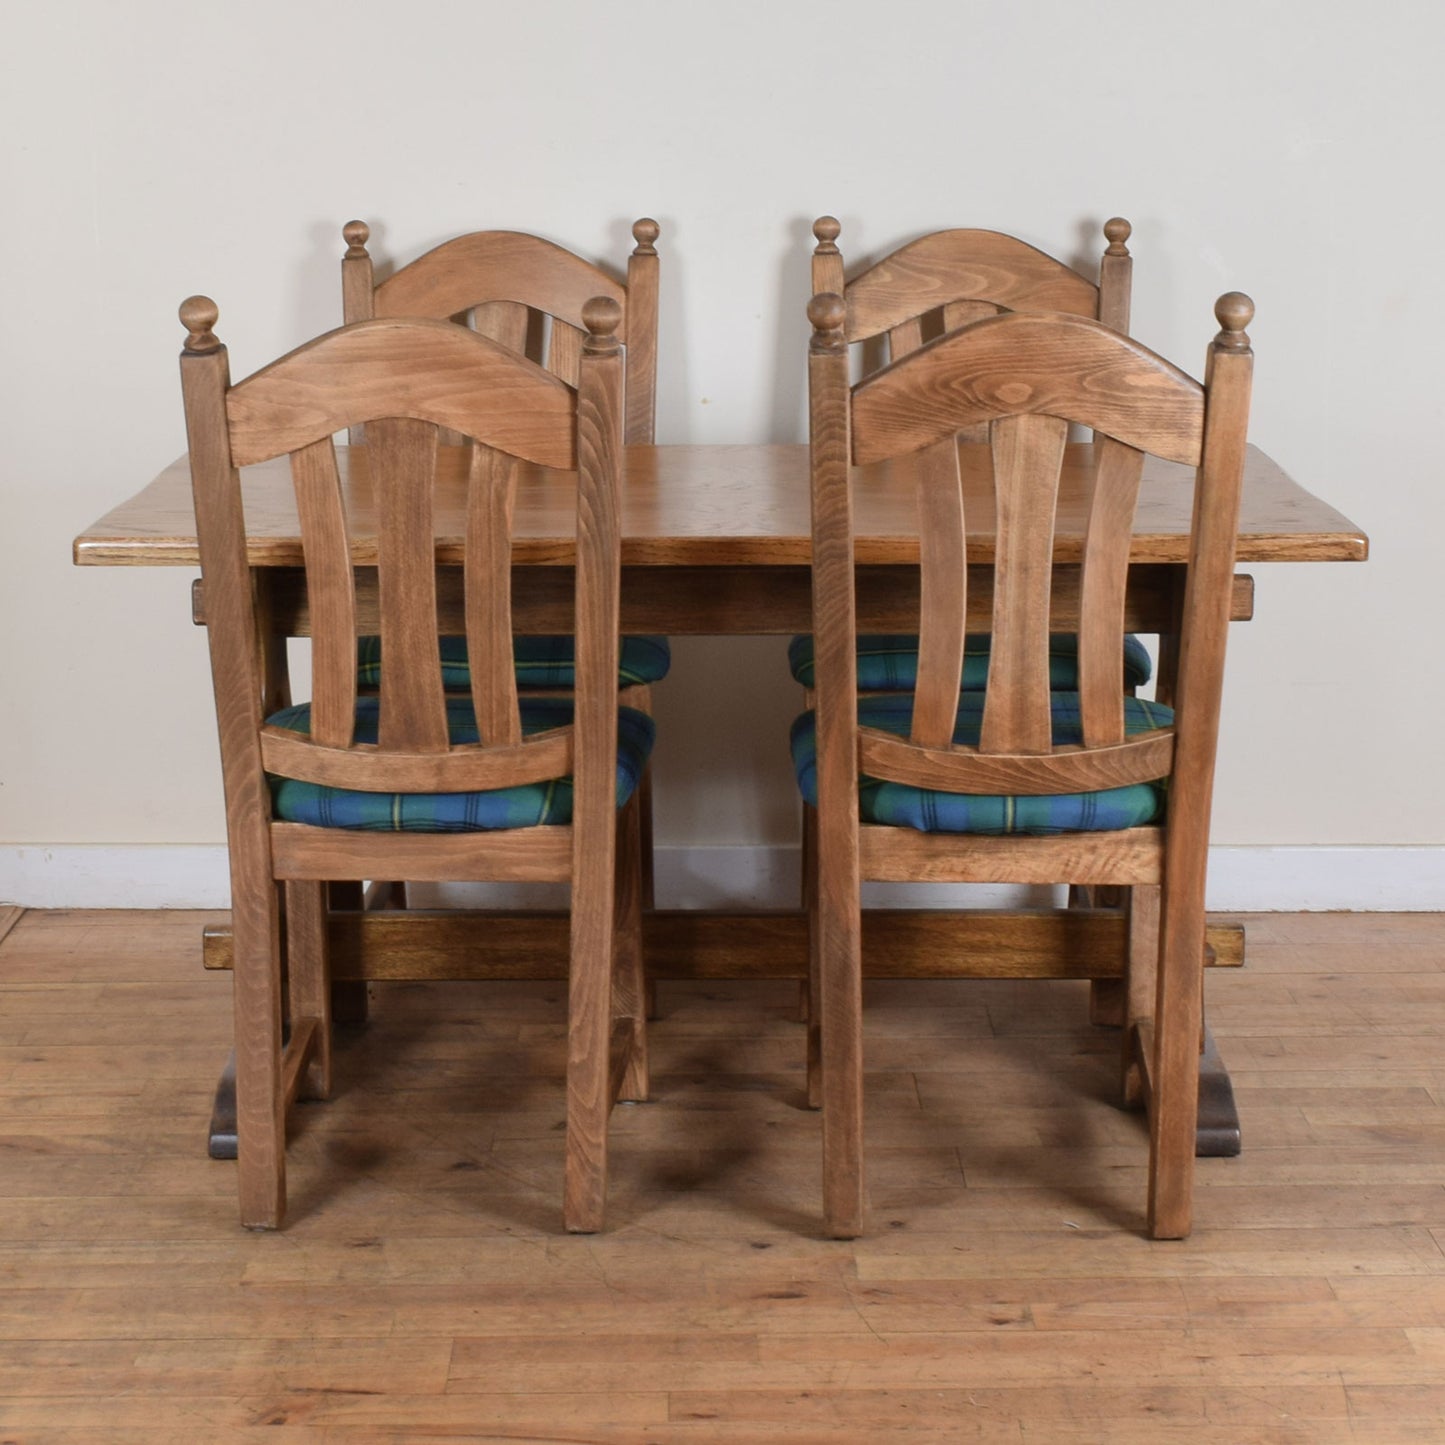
{"type": "Point", "coordinates": [404, 381]}
{"type": "Point", "coordinates": [421, 1293]}
{"type": "Point", "coordinates": [726, 506]}
{"type": "Point", "coordinates": [1026, 378]}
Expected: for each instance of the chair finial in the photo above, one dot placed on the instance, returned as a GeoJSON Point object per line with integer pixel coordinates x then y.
{"type": "Point", "coordinates": [1234, 311]}
{"type": "Point", "coordinates": [827, 311]}
{"type": "Point", "coordinates": [198, 315]}
{"type": "Point", "coordinates": [645, 232]}
{"type": "Point", "coordinates": [356, 234]}
{"type": "Point", "coordinates": [826, 230]}
{"type": "Point", "coordinates": [601, 315]}
{"type": "Point", "coordinates": [1117, 231]}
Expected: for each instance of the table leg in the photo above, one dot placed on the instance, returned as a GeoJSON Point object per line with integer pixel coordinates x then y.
{"type": "Point", "coordinates": [1073, 943]}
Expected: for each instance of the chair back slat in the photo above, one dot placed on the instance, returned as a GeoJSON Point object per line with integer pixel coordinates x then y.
{"type": "Point", "coordinates": [1028, 453]}
{"type": "Point", "coordinates": [965, 313]}
{"type": "Point", "coordinates": [1117, 471]}
{"type": "Point", "coordinates": [905, 338]}
{"type": "Point", "coordinates": [505, 322]}
{"type": "Point", "coordinates": [564, 351]}
{"type": "Point", "coordinates": [492, 494]}
{"type": "Point", "coordinates": [963, 265]}
{"type": "Point", "coordinates": [943, 607]}
{"type": "Point", "coordinates": [402, 455]}
{"type": "Point", "coordinates": [330, 591]}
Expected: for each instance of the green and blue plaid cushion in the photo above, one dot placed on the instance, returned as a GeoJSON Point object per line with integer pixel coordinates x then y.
{"type": "Point", "coordinates": [888, 662]}
{"type": "Point", "coordinates": [541, 662]}
{"type": "Point", "coordinates": [899, 805]}
{"type": "Point", "coordinates": [523, 807]}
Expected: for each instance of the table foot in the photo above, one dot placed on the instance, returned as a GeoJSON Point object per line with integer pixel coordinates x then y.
{"type": "Point", "coordinates": [222, 1141]}
{"type": "Point", "coordinates": [1217, 1133]}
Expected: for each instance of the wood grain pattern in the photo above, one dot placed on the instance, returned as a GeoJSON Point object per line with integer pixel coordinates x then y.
{"type": "Point", "coordinates": [496, 266]}
{"type": "Point", "coordinates": [1043, 365]}
{"type": "Point", "coordinates": [488, 594]}
{"type": "Point", "coordinates": [236, 683]}
{"type": "Point", "coordinates": [1142, 759]}
{"type": "Point", "coordinates": [401, 380]}
{"type": "Point", "coordinates": [771, 600]}
{"type": "Point", "coordinates": [331, 593]}
{"type": "Point", "coordinates": [943, 596]}
{"type": "Point", "coordinates": [504, 281]}
{"type": "Point", "coordinates": [424, 1295]}
{"type": "Point", "coordinates": [1029, 377]}
{"type": "Point", "coordinates": [1017, 711]}
{"type": "Point", "coordinates": [692, 944]}
{"type": "Point", "coordinates": [413, 704]}
{"type": "Point", "coordinates": [594, 822]}
{"type": "Point", "coordinates": [728, 506]}
{"type": "Point", "coordinates": [489, 393]}
{"type": "Point", "coordinates": [835, 890]}
{"type": "Point", "coordinates": [962, 265]}
{"type": "Point", "coordinates": [1105, 586]}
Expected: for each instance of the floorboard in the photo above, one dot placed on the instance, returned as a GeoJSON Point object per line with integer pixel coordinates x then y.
{"type": "Point", "coordinates": [422, 1291]}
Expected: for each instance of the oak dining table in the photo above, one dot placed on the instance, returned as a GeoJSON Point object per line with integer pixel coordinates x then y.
{"type": "Point", "coordinates": [716, 540]}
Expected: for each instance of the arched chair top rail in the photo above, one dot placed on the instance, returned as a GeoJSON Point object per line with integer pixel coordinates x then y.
{"type": "Point", "coordinates": [428, 371]}
{"type": "Point", "coordinates": [1021, 363]}
{"type": "Point", "coordinates": [497, 266]}
{"type": "Point", "coordinates": [963, 265]}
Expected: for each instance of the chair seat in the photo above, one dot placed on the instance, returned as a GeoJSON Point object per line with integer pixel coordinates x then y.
{"type": "Point", "coordinates": [541, 662]}
{"type": "Point", "coordinates": [900, 805]}
{"type": "Point", "coordinates": [521, 807]}
{"type": "Point", "coordinates": [888, 662]}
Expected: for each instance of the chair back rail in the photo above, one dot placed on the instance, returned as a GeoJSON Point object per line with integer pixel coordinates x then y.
{"type": "Point", "coordinates": [949, 279]}
{"type": "Point", "coordinates": [504, 282]}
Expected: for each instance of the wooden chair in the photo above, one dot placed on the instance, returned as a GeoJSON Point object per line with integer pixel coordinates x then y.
{"type": "Point", "coordinates": [494, 789]}
{"type": "Point", "coordinates": [915, 294]}
{"type": "Point", "coordinates": [527, 293]}
{"type": "Point", "coordinates": [1033, 786]}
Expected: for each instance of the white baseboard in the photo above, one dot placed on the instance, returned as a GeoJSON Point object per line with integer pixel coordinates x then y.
{"type": "Point", "coordinates": [1241, 879]}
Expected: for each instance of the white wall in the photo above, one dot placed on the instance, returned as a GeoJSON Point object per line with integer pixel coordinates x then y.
{"type": "Point", "coordinates": [159, 148]}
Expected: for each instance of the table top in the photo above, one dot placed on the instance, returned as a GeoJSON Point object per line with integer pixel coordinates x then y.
{"type": "Point", "coordinates": [725, 506]}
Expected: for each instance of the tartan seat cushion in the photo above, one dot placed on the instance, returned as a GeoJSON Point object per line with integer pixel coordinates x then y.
{"type": "Point", "coordinates": [541, 662]}
{"type": "Point", "coordinates": [900, 805]}
{"type": "Point", "coordinates": [522, 807]}
{"type": "Point", "coordinates": [888, 662]}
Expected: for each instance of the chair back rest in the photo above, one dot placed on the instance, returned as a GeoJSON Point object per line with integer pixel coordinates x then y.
{"type": "Point", "coordinates": [405, 380]}
{"type": "Point", "coordinates": [948, 279]}
{"type": "Point", "coordinates": [1025, 378]}
{"type": "Point", "coordinates": [526, 293]}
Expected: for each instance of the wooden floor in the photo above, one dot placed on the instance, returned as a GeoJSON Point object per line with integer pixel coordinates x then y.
{"type": "Point", "coordinates": [422, 1291]}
